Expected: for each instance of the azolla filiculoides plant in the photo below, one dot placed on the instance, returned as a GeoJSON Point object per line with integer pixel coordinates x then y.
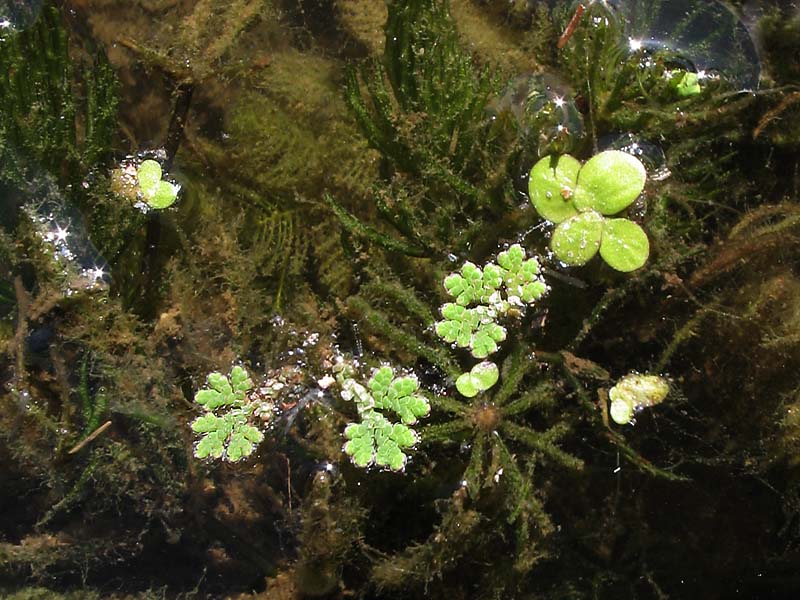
{"type": "Point", "coordinates": [232, 406]}
{"type": "Point", "coordinates": [376, 439]}
{"type": "Point", "coordinates": [483, 296]}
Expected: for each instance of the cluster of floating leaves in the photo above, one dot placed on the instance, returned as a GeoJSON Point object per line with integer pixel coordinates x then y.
{"type": "Point", "coordinates": [375, 439]}
{"type": "Point", "coordinates": [585, 200]}
{"type": "Point", "coordinates": [141, 181]}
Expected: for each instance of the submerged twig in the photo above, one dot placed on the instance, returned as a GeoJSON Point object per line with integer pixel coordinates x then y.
{"type": "Point", "coordinates": [96, 433]}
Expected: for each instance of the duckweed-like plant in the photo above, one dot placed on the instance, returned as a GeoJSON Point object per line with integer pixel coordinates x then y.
{"type": "Point", "coordinates": [155, 191]}
{"type": "Point", "coordinates": [685, 83]}
{"type": "Point", "coordinates": [479, 379]}
{"type": "Point", "coordinates": [225, 429]}
{"type": "Point", "coordinates": [633, 393]}
{"type": "Point", "coordinates": [375, 439]}
{"type": "Point", "coordinates": [581, 200]}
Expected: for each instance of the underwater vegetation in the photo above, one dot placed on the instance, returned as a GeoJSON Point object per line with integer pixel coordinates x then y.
{"type": "Point", "coordinates": [299, 299]}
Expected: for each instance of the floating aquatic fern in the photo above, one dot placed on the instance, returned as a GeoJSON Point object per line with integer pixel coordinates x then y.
{"type": "Point", "coordinates": [494, 289]}
{"type": "Point", "coordinates": [375, 439]}
{"type": "Point", "coordinates": [225, 429]}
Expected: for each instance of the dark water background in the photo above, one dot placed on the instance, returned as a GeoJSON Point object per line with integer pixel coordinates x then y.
{"type": "Point", "coordinates": [336, 160]}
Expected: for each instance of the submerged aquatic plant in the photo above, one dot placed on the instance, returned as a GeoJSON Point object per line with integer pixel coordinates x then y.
{"type": "Point", "coordinates": [491, 427]}
{"type": "Point", "coordinates": [225, 429]}
{"type": "Point", "coordinates": [44, 123]}
{"type": "Point", "coordinates": [375, 439]}
{"type": "Point", "coordinates": [580, 198]}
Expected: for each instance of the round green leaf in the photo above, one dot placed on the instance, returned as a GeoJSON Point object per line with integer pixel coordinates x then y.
{"type": "Point", "coordinates": [485, 374]}
{"type": "Point", "coordinates": [625, 246]}
{"type": "Point", "coordinates": [551, 179]}
{"type": "Point", "coordinates": [149, 175]}
{"type": "Point", "coordinates": [621, 412]}
{"type": "Point", "coordinates": [467, 385]}
{"type": "Point", "coordinates": [576, 240]}
{"type": "Point", "coordinates": [165, 195]}
{"type": "Point", "coordinates": [609, 182]}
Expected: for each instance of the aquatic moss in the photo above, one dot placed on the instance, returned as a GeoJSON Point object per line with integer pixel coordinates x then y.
{"type": "Point", "coordinates": [58, 114]}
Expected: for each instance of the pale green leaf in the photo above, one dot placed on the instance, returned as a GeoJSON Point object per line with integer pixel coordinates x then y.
{"type": "Point", "coordinates": [609, 182]}
{"type": "Point", "coordinates": [551, 186]}
{"type": "Point", "coordinates": [576, 240]}
{"type": "Point", "coordinates": [625, 246]}
{"type": "Point", "coordinates": [149, 176]}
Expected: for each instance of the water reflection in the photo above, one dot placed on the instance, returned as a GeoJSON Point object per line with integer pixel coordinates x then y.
{"type": "Point", "coordinates": [704, 35]}
{"type": "Point", "coordinates": [16, 15]}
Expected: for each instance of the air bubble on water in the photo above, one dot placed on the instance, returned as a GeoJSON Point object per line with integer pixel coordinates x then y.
{"type": "Point", "coordinates": [703, 36]}
{"type": "Point", "coordinates": [17, 15]}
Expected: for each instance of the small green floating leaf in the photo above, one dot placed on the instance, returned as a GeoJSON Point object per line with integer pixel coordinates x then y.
{"type": "Point", "coordinates": [484, 341]}
{"type": "Point", "coordinates": [609, 182]}
{"type": "Point", "coordinates": [240, 379]}
{"type": "Point", "coordinates": [576, 240]}
{"type": "Point", "coordinates": [479, 379]}
{"type": "Point", "coordinates": [640, 391]}
{"type": "Point", "coordinates": [486, 374]}
{"type": "Point", "coordinates": [149, 176]}
{"type": "Point", "coordinates": [686, 83]}
{"type": "Point", "coordinates": [240, 446]}
{"type": "Point", "coordinates": [219, 382]}
{"type": "Point", "coordinates": [211, 399]}
{"type": "Point", "coordinates": [403, 436]}
{"type": "Point", "coordinates": [621, 412]}
{"type": "Point", "coordinates": [625, 246]}
{"type": "Point", "coordinates": [360, 450]}
{"type": "Point", "coordinates": [552, 184]}
{"type": "Point", "coordinates": [390, 455]}
{"type": "Point", "coordinates": [164, 196]}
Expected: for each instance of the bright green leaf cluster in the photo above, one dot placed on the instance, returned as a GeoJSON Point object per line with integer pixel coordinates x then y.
{"type": "Point", "coordinates": [514, 280]}
{"type": "Point", "coordinates": [227, 434]}
{"type": "Point", "coordinates": [473, 328]}
{"type": "Point", "coordinates": [474, 285]}
{"type": "Point", "coordinates": [521, 276]}
{"type": "Point", "coordinates": [376, 439]}
{"type": "Point", "coordinates": [580, 198]}
{"type": "Point", "coordinates": [155, 191]}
